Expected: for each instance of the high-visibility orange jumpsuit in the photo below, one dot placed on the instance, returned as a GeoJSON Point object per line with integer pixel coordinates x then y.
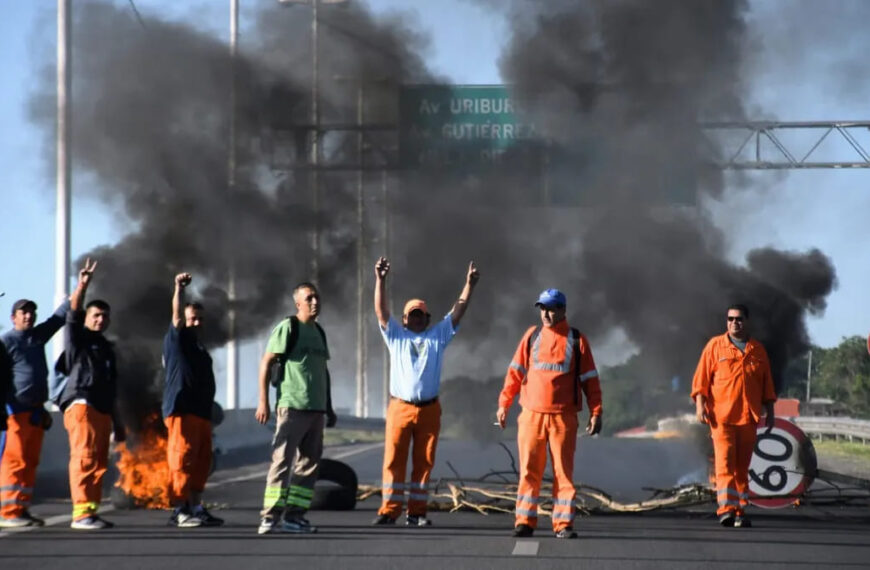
{"type": "Point", "coordinates": [19, 457]}
{"type": "Point", "coordinates": [736, 385]}
{"type": "Point", "coordinates": [189, 454]}
{"type": "Point", "coordinates": [549, 379]}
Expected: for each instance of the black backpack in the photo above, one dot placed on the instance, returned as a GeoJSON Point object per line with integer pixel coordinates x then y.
{"type": "Point", "coordinates": [276, 369]}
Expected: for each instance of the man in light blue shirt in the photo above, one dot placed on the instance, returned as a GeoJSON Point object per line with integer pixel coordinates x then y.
{"type": "Point", "coordinates": [416, 355]}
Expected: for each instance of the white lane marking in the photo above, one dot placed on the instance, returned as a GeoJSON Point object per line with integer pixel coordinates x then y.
{"type": "Point", "coordinates": [49, 521]}
{"type": "Point", "coordinates": [526, 548]}
{"type": "Point", "coordinates": [63, 519]}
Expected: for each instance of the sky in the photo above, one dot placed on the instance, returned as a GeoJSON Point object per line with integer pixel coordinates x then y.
{"type": "Point", "coordinates": [806, 64]}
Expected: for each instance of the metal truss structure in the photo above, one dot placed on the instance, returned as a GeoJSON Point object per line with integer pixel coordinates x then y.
{"type": "Point", "coordinates": [764, 145]}
{"type": "Point", "coordinates": [748, 145]}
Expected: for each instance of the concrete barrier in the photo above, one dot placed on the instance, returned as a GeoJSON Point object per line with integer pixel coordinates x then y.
{"type": "Point", "coordinates": [239, 430]}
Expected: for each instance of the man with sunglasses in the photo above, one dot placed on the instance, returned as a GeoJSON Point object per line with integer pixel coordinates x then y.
{"type": "Point", "coordinates": [416, 353]}
{"type": "Point", "coordinates": [552, 365]}
{"type": "Point", "coordinates": [731, 387]}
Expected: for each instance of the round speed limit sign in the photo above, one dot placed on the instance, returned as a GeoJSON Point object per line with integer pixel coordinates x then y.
{"type": "Point", "coordinates": [783, 465]}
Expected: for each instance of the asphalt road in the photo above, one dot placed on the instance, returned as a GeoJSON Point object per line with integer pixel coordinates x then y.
{"type": "Point", "coordinates": [809, 537]}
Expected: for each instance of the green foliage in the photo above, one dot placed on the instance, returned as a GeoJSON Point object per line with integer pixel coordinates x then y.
{"type": "Point", "coordinates": [842, 373]}
{"type": "Point", "coordinates": [633, 396]}
{"type": "Point", "coordinates": [468, 408]}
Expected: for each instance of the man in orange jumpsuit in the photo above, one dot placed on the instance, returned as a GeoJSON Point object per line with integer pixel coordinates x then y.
{"type": "Point", "coordinates": [731, 385]}
{"type": "Point", "coordinates": [553, 363]}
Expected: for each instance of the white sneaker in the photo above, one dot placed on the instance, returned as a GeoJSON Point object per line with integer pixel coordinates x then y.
{"type": "Point", "coordinates": [267, 525]}
{"type": "Point", "coordinates": [184, 519]}
{"type": "Point", "coordinates": [15, 522]}
{"type": "Point", "coordinates": [92, 522]}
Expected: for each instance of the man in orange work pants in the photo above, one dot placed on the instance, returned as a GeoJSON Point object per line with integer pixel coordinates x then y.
{"type": "Point", "coordinates": [88, 400]}
{"type": "Point", "coordinates": [188, 398]}
{"type": "Point", "coordinates": [731, 385]}
{"type": "Point", "coordinates": [416, 353]}
{"type": "Point", "coordinates": [550, 367]}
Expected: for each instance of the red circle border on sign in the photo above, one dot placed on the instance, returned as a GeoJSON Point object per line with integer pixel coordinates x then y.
{"type": "Point", "coordinates": [780, 502]}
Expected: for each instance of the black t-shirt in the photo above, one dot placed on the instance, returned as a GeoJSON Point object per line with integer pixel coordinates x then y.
{"type": "Point", "coordinates": [190, 385]}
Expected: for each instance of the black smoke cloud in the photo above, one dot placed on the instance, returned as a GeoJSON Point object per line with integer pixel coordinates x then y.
{"type": "Point", "coordinates": [615, 87]}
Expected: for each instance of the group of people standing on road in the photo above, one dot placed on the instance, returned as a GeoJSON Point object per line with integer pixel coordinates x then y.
{"type": "Point", "coordinates": [552, 371]}
{"type": "Point", "coordinates": [84, 386]}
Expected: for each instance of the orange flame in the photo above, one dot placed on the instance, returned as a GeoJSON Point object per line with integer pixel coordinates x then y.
{"type": "Point", "coordinates": [144, 469]}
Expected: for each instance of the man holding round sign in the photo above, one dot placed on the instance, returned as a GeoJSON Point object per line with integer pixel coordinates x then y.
{"type": "Point", "coordinates": [731, 386]}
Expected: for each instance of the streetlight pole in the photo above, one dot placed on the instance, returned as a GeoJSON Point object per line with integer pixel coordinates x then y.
{"type": "Point", "coordinates": [64, 171]}
{"type": "Point", "coordinates": [232, 343]}
{"type": "Point", "coordinates": [362, 399]}
{"type": "Point", "coordinates": [315, 143]}
{"type": "Point", "coordinates": [809, 373]}
{"type": "Point", "coordinates": [386, 230]}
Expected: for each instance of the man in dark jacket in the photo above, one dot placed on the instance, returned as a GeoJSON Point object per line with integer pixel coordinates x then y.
{"type": "Point", "coordinates": [88, 401]}
{"type": "Point", "coordinates": [24, 403]}
{"type": "Point", "coordinates": [188, 397]}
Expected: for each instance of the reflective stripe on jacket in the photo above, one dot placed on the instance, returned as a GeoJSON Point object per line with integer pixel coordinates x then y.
{"type": "Point", "coordinates": [544, 374]}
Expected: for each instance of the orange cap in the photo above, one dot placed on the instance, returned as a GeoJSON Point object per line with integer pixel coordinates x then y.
{"type": "Point", "coordinates": [415, 304]}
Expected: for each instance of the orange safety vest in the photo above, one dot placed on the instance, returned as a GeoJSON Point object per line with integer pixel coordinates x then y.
{"type": "Point", "coordinates": [735, 383]}
{"type": "Point", "coordinates": [545, 373]}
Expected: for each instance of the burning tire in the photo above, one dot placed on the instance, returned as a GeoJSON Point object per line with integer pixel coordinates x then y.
{"type": "Point", "coordinates": [336, 487]}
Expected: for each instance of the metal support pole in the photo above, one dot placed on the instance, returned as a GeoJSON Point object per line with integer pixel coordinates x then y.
{"type": "Point", "coordinates": [232, 401]}
{"type": "Point", "coordinates": [362, 400]}
{"type": "Point", "coordinates": [809, 373]}
{"type": "Point", "coordinates": [386, 230]}
{"type": "Point", "coordinates": [315, 143]}
{"type": "Point", "coordinates": [64, 172]}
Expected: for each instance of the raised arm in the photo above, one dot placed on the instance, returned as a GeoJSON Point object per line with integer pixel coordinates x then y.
{"type": "Point", "coordinates": [382, 311]}
{"type": "Point", "coordinates": [461, 304]}
{"type": "Point", "coordinates": [46, 329]}
{"type": "Point", "coordinates": [182, 280]}
{"type": "Point", "coordinates": [74, 330]}
{"type": "Point", "coordinates": [77, 299]}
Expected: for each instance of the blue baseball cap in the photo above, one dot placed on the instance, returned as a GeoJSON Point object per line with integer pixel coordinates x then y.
{"type": "Point", "coordinates": [551, 298]}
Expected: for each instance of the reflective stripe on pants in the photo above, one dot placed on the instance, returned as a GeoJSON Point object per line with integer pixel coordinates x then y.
{"type": "Point", "coordinates": [404, 423]}
{"type": "Point", "coordinates": [189, 450]}
{"type": "Point", "coordinates": [536, 432]}
{"type": "Point", "coordinates": [89, 432]}
{"type": "Point", "coordinates": [732, 451]}
{"type": "Point", "coordinates": [298, 442]}
{"type": "Point", "coordinates": [18, 464]}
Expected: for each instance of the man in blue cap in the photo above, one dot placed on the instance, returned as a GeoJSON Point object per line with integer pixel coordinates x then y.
{"type": "Point", "coordinates": [552, 364]}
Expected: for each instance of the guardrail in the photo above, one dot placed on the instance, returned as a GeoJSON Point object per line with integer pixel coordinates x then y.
{"type": "Point", "coordinates": [837, 427]}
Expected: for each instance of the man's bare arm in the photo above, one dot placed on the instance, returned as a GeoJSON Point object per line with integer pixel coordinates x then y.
{"type": "Point", "coordinates": [461, 304]}
{"type": "Point", "coordinates": [382, 311]}
{"type": "Point", "coordinates": [262, 414]}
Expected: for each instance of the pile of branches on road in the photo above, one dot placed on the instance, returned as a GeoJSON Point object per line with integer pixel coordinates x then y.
{"type": "Point", "coordinates": [497, 492]}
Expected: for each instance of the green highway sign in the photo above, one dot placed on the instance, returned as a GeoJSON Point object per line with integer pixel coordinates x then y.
{"type": "Point", "coordinates": [459, 125]}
